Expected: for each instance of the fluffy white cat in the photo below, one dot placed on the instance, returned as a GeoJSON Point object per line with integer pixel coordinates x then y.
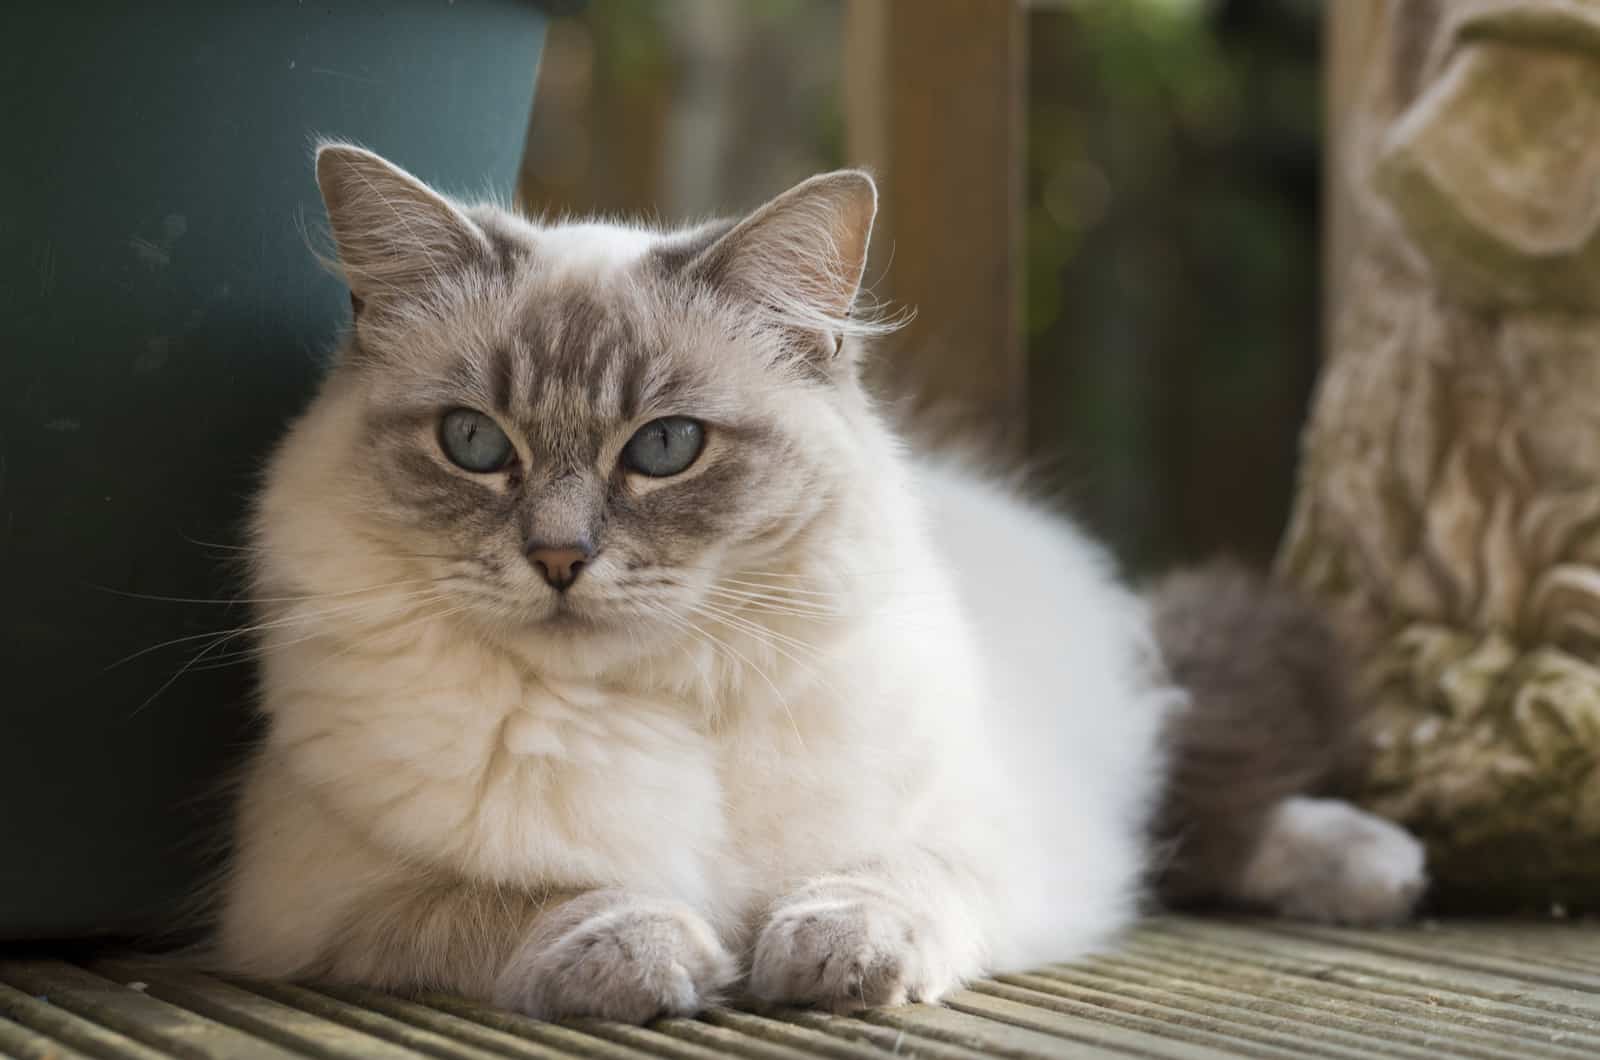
{"type": "Point", "coordinates": [618, 656]}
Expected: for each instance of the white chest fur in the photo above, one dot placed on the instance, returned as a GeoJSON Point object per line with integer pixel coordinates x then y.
{"type": "Point", "coordinates": [455, 756]}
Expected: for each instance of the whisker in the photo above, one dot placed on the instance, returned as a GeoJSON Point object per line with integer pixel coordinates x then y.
{"type": "Point", "coordinates": [268, 550]}
{"type": "Point", "coordinates": [244, 599]}
{"type": "Point", "coordinates": [272, 645]}
{"type": "Point", "coordinates": [227, 659]}
{"type": "Point", "coordinates": [782, 699]}
{"type": "Point", "coordinates": [294, 618]}
{"type": "Point", "coordinates": [772, 604]}
{"type": "Point", "coordinates": [169, 682]}
{"type": "Point", "coordinates": [756, 629]}
{"type": "Point", "coordinates": [407, 624]}
{"type": "Point", "coordinates": [219, 545]}
{"type": "Point", "coordinates": [679, 624]}
{"type": "Point", "coordinates": [775, 642]}
{"type": "Point", "coordinates": [780, 588]}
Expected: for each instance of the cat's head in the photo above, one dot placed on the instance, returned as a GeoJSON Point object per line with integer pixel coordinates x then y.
{"type": "Point", "coordinates": [579, 425]}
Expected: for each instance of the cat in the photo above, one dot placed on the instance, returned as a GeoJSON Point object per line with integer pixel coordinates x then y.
{"type": "Point", "coordinates": [618, 658]}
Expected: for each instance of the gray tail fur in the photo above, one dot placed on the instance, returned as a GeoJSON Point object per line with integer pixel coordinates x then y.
{"type": "Point", "coordinates": [1271, 717]}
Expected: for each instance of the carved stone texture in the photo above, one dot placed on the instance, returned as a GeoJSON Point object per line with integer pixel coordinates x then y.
{"type": "Point", "coordinates": [1449, 504]}
{"type": "Point", "coordinates": [1495, 170]}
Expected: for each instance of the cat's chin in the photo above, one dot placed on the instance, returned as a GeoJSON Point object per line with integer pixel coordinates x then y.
{"type": "Point", "coordinates": [577, 642]}
{"type": "Point", "coordinates": [562, 618]}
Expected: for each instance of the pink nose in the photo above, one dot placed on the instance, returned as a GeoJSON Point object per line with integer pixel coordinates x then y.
{"type": "Point", "coordinates": [560, 564]}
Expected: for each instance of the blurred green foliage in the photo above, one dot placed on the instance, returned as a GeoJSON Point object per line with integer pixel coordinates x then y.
{"type": "Point", "coordinates": [1172, 261]}
{"type": "Point", "coordinates": [631, 40]}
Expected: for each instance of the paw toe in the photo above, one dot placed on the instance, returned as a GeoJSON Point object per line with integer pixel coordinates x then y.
{"type": "Point", "coordinates": [633, 965]}
{"type": "Point", "coordinates": [852, 955]}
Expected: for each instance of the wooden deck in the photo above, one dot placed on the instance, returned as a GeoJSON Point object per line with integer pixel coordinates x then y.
{"type": "Point", "coordinates": [1178, 988]}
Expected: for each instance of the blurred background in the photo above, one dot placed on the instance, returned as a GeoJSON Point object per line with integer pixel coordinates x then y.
{"type": "Point", "coordinates": [1167, 164]}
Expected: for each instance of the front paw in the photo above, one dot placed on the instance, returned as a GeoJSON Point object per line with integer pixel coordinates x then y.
{"type": "Point", "coordinates": [617, 957]}
{"type": "Point", "coordinates": [844, 947]}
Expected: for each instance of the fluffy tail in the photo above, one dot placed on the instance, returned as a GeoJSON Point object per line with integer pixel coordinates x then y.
{"type": "Point", "coordinates": [1271, 723]}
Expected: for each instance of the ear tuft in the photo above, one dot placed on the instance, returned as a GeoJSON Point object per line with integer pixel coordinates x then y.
{"type": "Point", "coordinates": [395, 235]}
{"type": "Point", "coordinates": [801, 257]}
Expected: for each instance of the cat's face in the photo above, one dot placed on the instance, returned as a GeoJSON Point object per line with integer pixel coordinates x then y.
{"type": "Point", "coordinates": [587, 426]}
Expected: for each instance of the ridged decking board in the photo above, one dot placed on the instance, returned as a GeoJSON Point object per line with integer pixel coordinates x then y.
{"type": "Point", "coordinates": [1178, 987]}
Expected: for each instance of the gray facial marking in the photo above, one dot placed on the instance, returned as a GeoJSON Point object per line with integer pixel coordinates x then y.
{"type": "Point", "coordinates": [440, 498]}
{"type": "Point", "coordinates": [502, 374]}
{"type": "Point", "coordinates": [675, 254]}
{"type": "Point", "coordinates": [556, 331]}
{"type": "Point", "coordinates": [509, 248]}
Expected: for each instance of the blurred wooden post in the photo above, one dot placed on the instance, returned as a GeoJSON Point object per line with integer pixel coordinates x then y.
{"type": "Point", "coordinates": [934, 107]}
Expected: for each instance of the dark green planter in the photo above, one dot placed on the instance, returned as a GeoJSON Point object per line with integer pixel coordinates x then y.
{"type": "Point", "coordinates": [162, 316]}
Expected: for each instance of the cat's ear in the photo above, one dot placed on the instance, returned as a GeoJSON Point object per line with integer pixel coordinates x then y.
{"type": "Point", "coordinates": [802, 255]}
{"type": "Point", "coordinates": [395, 235]}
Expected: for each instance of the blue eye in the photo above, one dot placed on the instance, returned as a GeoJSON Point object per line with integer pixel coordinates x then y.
{"type": "Point", "coordinates": [664, 447]}
{"type": "Point", "coordinates": [474, 442]}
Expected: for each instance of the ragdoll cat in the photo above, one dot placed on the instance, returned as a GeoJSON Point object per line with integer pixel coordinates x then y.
{"type": "Point", "coordinates": [617, 657]}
